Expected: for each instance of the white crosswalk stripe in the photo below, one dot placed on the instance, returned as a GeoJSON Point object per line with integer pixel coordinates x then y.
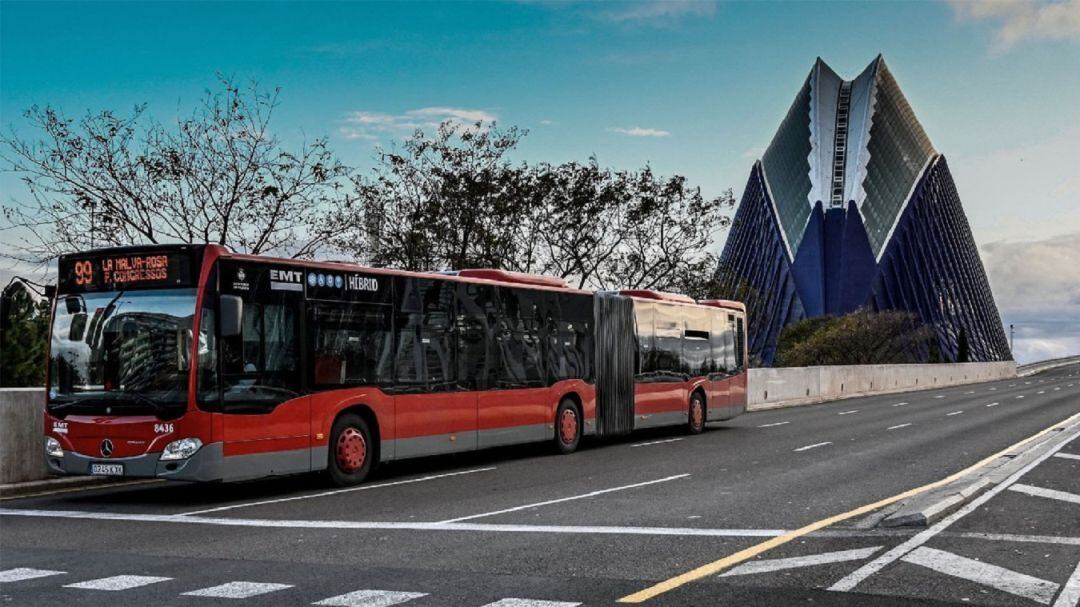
{"type": "Point", "coordinates": [529, 603]}
{"type": "Point", "coordinates": [825, 558]}
{"type": "Point", "coordinates": [238, 590]}
{"type": "Point", "coordinates": [1005, 580]}
{"type": "Point", "coordinates": [1070, 593]}
{"type": "Point", "coordinates": [370, 598]}
{"type": "Point", "coordinates": [118, 582]}
{"type": "Point", "coordinates": [25, 573]}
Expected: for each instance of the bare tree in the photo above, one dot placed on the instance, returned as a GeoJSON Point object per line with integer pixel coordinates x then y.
{"type": "Point", "coordinates": [454, 200]}
{"type": "Point", "coordinates": [216, 176]}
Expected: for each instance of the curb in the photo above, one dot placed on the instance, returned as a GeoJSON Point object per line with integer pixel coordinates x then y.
{"type": "Point", "coordinates": [926, 509]}
{"type": "Point", "coordinates": [58, 483]}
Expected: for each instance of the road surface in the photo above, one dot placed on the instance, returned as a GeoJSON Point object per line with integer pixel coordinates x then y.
{"type": "Point", "coordinates": [520, 527]}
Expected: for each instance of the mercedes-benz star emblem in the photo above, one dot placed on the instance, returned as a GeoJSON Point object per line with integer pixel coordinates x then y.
{"type": "Point", "coordinates": [106, 447]}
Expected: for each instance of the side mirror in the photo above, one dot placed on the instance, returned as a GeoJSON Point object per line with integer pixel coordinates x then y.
{"type": "Point", "coordinates": [232, 315]}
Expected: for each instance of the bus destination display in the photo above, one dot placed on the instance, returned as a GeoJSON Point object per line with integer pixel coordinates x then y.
{"type": "Point", "coordinates": [157, 269]}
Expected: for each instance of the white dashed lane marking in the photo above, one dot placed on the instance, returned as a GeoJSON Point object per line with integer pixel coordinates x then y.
{"type": "Point", "coordinates": [564, 499]}
{"type": "Point", "coordinates": [993, 404]}
{"type": "Point", "coordinates": [407, 481]}
{"type": "Point", "coordinates": [657, 442]}
{"type": "Point", "coordinates": [814, 446]}
{"type": "Point", "coordinates": [1005, 580]}
{"type": "Point", "coordinates": [848, 412]}
{"type": "Point", "coordinates": [899, 404]}
{"type": "Point", "coordinates": [770, 565]}
{"type": "Point", "coordinates": [940, 396]}
{"type": "Point", "coordinates": [1047, 493]}
{"type": "Point", "coordinates": [370, 598]}
{"type": "Point", "coordinates": [1020, 396]}
{"type": "Point", "coordinates": [773, 424]}
{"type": "Point", "coordinates": [897, 427]}
{"type": "Point", "coordinates": [238, 590]}
{"type": "Point", "coordinates": [953, 413]}
{"type": "Point", "coordinates": [118, 582]}
{"type": "Point", "coordinates": [1067, 455]}
{"type": "Point", "coordinates": [25, 573]}
{"type": "Point", "coordinates": [529, 603]}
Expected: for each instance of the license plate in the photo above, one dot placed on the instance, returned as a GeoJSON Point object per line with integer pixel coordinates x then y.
{"type": "Point", "coordinates": [107, 469]}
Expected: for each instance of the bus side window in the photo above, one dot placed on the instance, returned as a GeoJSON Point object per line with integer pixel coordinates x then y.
{"type": "Point", "coordinates": [646, 337]}
{"type": "Point", "coordinates": [577, 311]}
{"type": "Point", "coordinates": [740, 345]}
{"type": "Point", "coordinates": [567, 336]}
{"type": "Point", "coordinates": [670, 361]}
{"type": "Point", "coordinates": [425, 335]}
{"type": "Point", "coordinates": [729, 346]}
{"type": "Point", "coordinates": [475, 324]}
{"type": "Point", "coordinates": [518, 339]}
{"type": "Point", "coordinates": [352, 345]}
{"type": "Point", "coordinates": [716, 341]}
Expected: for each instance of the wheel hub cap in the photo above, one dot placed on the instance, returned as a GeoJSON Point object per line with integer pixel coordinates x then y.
{"type": "Point", "coordinates": [351, 450]}
{"type": "Point", "coordinates": [568, 426]}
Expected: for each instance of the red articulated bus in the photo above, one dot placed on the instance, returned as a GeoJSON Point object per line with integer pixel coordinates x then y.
{"type": "Point", "coordinates": [192, 362]}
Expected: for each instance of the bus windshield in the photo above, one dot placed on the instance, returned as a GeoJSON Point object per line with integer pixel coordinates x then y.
{"type": "Point", "coordinates": [122, 352]}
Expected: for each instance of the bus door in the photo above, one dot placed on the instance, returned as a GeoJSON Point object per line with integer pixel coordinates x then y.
{"type": "Point", "coordinates": [266, 416]}
{"type": "Point", "coordinates": [723, 354]}
{"type": "Point", "coordinates": [433, 413]}
{"type": "Point", "coordinates": [515, 403]}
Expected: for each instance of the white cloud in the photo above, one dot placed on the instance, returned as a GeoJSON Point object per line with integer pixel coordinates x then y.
{"type": "Point", "coordinates": [548, 122]}
{"type": "Point", "coordinates": [453, 113]}
{"type": "Point", "coordinates": [753, 153]}
{"type": "Point", "coordinates": [1020, 20]}
{"type": "Point", "coordinates": [370, 126]}
{"type": "Point", "coordinates": [1025, 192]}
{"type": "Point", "coordinates": [1036, 285]}
{"type": "Point", "coordinates": [637, 131]}
{"type": "Point", "coordinates": [658, 12]}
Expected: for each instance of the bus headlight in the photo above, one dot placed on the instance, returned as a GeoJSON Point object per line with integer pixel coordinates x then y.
{"type": "Point", "coordinates": [181, 449]}
{"type": "Point", "coordinates": [53, 448]}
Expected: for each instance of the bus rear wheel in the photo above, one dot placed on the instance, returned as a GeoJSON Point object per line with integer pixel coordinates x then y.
{"type": "Point", "coordinates": [567, 427]}
{"type": "Point", "coordinates": [352, 452]}
{"type": "Point", "coordinates": [696, 421]}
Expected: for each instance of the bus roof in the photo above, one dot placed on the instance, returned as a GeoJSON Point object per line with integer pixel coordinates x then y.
{"type": "Point", "coordinates": [724, 303]}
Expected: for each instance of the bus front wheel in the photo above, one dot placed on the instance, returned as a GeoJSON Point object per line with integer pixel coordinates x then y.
{"type": "Point", "coordinates": [352, 452]}
{"type": "Point", "coordinates": [567, 426]}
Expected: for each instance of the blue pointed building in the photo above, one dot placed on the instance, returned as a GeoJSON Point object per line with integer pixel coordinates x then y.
{"type": "Point", "coordinates": [850, 207]}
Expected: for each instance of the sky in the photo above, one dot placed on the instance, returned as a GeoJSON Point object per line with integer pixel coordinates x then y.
{"type": "Point", "coordinates": [689, 87]}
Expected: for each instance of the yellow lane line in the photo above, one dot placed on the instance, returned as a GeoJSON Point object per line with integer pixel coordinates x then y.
{"type": "Point", "coordinates": [83, 488]}
{"type": "Point", "coordinates": [757, 549]}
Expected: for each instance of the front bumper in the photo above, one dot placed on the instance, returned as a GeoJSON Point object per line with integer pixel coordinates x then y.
{"type": "Point", "coordinates": [206, 465]}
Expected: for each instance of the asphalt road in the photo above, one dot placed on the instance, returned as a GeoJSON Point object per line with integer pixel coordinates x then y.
{"type": "Point", "coordinates": [607, 522]}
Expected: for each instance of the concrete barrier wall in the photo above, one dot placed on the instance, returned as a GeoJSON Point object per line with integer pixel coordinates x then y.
{"type": "Point", "coordinates": [789, 386]}
{"type": "Point", "coordinates": [22, 452]}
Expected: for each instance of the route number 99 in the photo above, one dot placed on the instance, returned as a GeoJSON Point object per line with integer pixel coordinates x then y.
{"type": "Point", "coordinates": [84, 272]}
